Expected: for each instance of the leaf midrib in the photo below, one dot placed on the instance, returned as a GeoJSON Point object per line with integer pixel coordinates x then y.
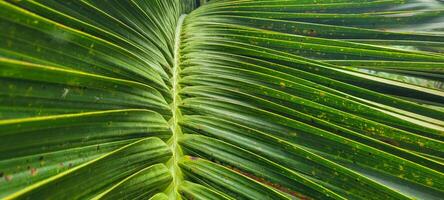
{"type": "Point", "coordinates": [176, 114]}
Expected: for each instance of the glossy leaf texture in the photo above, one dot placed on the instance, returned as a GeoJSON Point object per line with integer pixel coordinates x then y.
{"type": "Point", "coordinates": [222, 99]}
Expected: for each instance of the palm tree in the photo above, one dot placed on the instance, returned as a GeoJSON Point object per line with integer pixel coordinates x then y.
{"type": "Point", "coordinates": [222, 99]}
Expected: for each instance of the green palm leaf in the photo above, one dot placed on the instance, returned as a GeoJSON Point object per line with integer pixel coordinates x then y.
{"type": "Point", "coordinates": [222, 99]}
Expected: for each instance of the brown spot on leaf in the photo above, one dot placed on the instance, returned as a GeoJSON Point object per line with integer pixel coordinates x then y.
{"type": "Point", "coordinates": [33, 171]}
{"type": "Point", "coordinates": [271, 184]}
{"type": "Point", "coordinates": [312, 33]}
{"type": "Point", "coordinates": [392, 142]}
{"type": "Point", "coordinates": [8, 177]}
{"type": "Point", "coordinates": [193, 158]}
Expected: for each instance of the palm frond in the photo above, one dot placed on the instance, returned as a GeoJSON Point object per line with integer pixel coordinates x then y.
{"type": "Point", "coordinates": [222, 99]}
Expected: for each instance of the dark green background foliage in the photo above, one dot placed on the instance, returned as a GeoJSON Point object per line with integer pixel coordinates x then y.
{"type": "Point", "coordinates": [223, 99]}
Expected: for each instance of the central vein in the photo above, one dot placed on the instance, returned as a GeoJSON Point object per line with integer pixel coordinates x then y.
{"type": "Point", "coordinates": [175, 128]}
